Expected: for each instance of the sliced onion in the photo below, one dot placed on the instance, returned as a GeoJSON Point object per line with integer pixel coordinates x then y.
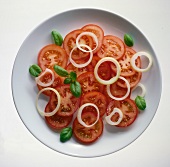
{"type": "Point", "coordinates": [42, 113]}
{"type": "Point", "coordinates": [135, 56]}
{"type": "Point", "coordinates": [89, 34]}
{"type": "Point", "coordinates": [79, 113]}
{"type": "Point", "coordinates": [108, 118]}
{"type": "Point", "coordinates": [120, 98]}
{"type": "Point", "coordinates": [38, 79]}
{"type": "Point", "coordinates": [143, 92]}
{"type": "Point", "coordinates": [112, 80]}
{"type": "Point", "coordinates": [81, 65]}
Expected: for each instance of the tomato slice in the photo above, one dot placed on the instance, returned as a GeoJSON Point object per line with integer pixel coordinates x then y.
{"type": "Point", "coordinates": [133, 80]}
{"type": "Point", "coordinates": [98, 31]}
{"type": "Point", "coordinates": [51, 55]}
{"type": "Point", "coordinates": [46, 78]}
{"type": "Point", "coordinates": [70, 42]}
{"type": "Point", "coordinates": [57, 122]}
{"type": "Point", "coordinates": [95, 59]}
{"type": "Point", "coordinates": [69, 103]}
{"type": "Point", "coordinates": [116, 91]}
{"type": "Point", "coordinates": [91, 134]}
{"type": "Point", "coordinates": [70, 67]}
{"type": "Point", "coordinates": [126, 68]}
{"type": "Point", "coordinates": [104, 70]}
{"type": "Point", "coordinates": [96, 98]}
{"type": "Point", "coordinates": [129, 109]}
{"type": "Point", "coordinates": [89, 83]}
{"type": "Point", "coordinates": [112, 47]}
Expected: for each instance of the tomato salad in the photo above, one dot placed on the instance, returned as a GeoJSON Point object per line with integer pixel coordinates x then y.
{"type": "Point", "coordinates": [89, 78]}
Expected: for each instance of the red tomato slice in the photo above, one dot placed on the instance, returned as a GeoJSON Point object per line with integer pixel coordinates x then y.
{"type": "Point", "coordinates": [104, 70]}
{"type": "Point", "coordinates": [133, 80]}
{"type": "Point", "coordinates": [69, 103]}
{"type": "Point", "coordinates": [96, 98]}
{"type": "Point", "coordinates": [126, 68]}
{"type": "Point", "coordinates": [46, 78]}
{"type": "Point", "coordinates": [95, 59]}
{"type": "Point", "coordinates": [70, 42]}
{"type": "Point", "coordinates": [112, 47]}
{"type": "Point", "coordinates": [51, 55]}
{"type": "Point", "coordinates": [89, 83]}
{"type": "Point", "coordinates": [57, 122]}
{"type": "Point", "coordinates": [129, 109]}
{"type": "Point", "coordinates": [88, 135]}
{"type": "Point", "coordinates": [98, 31]}
{"type": "Point", "coordinates": [70, 67]}
{"type": "Point", "coordinates": [116, 91]}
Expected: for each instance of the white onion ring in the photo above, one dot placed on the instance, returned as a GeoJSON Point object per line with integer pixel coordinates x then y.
{"type": "Point", "coordinates": [135, 56]}
{"type": "Point", "coordinates": [79, 113]}
{"type": "Point", "coordinates": [81, 65]}
{"type": "Point", "coordinates": [142, 94]}
{"type": "Point", "coordinates": [38, 81]}
{"type": "Point", "coordinates": [57, 107]}
{"type": "Point", "coordinates": [119, 98]}
{"type": "Point", "coordinates": [89, 34]}
{"type": "Point", "coordinates": [112, 80]}
{"type": "Point", "coordinates": [108, 118]}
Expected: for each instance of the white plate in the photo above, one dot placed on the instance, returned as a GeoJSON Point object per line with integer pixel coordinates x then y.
{"type": "Point", "coordinates": [24, 89]}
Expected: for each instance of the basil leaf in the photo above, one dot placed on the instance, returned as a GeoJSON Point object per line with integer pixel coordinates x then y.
{"type": "Point", "coordinates": [75, 89]}
{"type": "Point", "coordinates": [66, 134]}
{"type": "Point", "coordinates": [128, 40]}
{"type": "Point", "coordinates": [67, 81]}
{"type": "Point", "coordinates": [57, 38]}
{"type": "Point", "coordinates": [60, 71]}
{"type": "Point", "coordinates": [140, 102]}
{"type": "Point", "coordinates": [73, 76]}
{"type": "Point", "coordinates": [35, 70]}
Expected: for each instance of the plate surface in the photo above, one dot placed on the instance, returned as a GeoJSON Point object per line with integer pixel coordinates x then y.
{"type": "Point", "coordinates": [24, 89]}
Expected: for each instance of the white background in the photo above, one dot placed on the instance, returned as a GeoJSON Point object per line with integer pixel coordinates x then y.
{"type": "Point", "coordinates": [17, 145]}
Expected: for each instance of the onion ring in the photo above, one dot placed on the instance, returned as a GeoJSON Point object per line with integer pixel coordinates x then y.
{"type": "Point", "coordinates": [119, 98]}
{"type": "Point", "coordinates": [57, 107]}
{"type": "Point", "coordinates": [108, 118]}
{"type": "Point", "coordinates": [38, 81]}
{"type": "Point", "coordinates": [89, 34]}
{"type": "Point", "coordinates": [81, 65]}
{"type": "Point", "coordinates": [142, 94]}
{"type": "Point", "coordinates": [135, 56]}
{"type": "Point", "coordinates": [79, 113]}
{"type": "Point", "coordinates": [112, 80]}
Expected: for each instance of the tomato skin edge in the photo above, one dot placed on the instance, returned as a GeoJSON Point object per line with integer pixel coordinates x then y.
{"type": "Point", "coordinates": [137, 112]}
{"type": "Point", "coordinates": [52, 47]}
{"type": "Point", "coordinates": [85, 99]}
{"type": "Point", "coordinates": [87, 142]}
{"type": "Point", "coordinates": [56, 126]}
{"type": "Point", "coordinates": [132, 103]}
{"type": "Point", "coordinates": [91, 26]}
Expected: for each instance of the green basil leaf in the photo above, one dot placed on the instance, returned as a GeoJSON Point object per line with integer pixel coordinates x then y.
{"type": "Point", "coordinates": [60, 71]}
{"type": "Point", "coordinates": [75, 88]}
{"type": "Point", "coordinates": [66, 134]}
{"type": "Point", "coordinates": [140, 102]}
{"type": "Point", "coordinates": [73, 76]}
{"type": "Point", "coordinates": [128, 40]}
{"type": "Point", "coordinates": [57, 38]}
{"type": "Point", "coordinates": [67, 81]}
{"type": "Point", "coordinates": [35, 70]}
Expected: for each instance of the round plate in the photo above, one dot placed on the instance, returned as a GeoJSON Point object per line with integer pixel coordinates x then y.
{"type": "Point", "coordinates": [25, 91]}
